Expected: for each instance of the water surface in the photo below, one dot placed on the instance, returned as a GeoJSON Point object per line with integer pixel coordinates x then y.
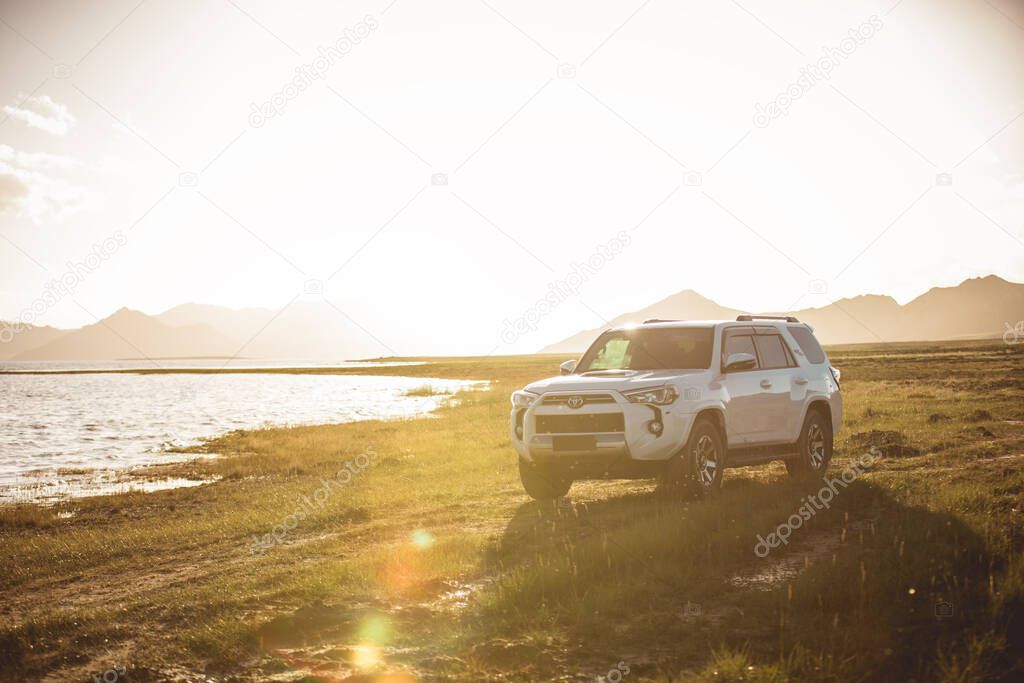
{"type": "Point", "coordinates": [56, 428]}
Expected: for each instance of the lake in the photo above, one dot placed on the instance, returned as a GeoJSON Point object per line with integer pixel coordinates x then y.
{"type": "Point", "coordinates": [65, 435]}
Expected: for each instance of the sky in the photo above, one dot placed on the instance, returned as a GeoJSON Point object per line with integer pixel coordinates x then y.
{"type": "Point", "coordinates": [438, 169]}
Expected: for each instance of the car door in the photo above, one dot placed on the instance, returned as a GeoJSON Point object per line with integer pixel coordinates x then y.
{"type": "Point", "coordinates": [776, 382]}
{"type": "Point", "coordinates": [745, 411]}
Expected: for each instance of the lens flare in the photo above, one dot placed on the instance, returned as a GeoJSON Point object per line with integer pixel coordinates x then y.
{"type": "Point", "coordinates": [421, 538]}
{"type": "Point", "coordinates": [366, 657]}
{"type": "Point", "coordinates": [375, 630]}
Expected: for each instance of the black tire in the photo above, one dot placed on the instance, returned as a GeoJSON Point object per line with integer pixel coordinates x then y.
{"type": "Point", "coordinates": [814, 448]}
{"type": "Point", "coordinates": [543, 483]}
{"type": "Point", "coordinates": [696, 471]}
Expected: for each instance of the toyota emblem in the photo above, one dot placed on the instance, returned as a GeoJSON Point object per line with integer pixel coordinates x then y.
{"type": "Point", "coordinates": [575, 402]}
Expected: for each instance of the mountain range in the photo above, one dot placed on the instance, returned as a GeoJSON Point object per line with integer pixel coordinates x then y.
{"type": "Point", "coordinates": [974, 309]}
{"type": "Point", "coordinates": [301, 331]}
{"type": "Point", "coordinates": [318, 330]}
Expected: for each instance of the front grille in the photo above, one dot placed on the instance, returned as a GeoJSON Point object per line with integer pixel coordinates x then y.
{"type": "Point", "coordinates": [588, 399]}
{"type": "Point", "coordinates": [586, 423]}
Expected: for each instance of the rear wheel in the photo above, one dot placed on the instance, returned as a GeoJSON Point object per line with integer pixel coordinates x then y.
{"type": "Point", "coordinates": [697, 469]}
{"type": "Point", "coordinates": [814, 449]}
{"type": "Point", "coordinates": [543, 482]}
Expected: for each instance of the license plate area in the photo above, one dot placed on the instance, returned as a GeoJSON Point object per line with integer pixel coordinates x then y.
{"type": "Point", "coordinates": [575, 442]}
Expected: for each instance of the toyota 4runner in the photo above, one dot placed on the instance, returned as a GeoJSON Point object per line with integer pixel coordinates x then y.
{"type": "Point", "coordinates": [681, 401]}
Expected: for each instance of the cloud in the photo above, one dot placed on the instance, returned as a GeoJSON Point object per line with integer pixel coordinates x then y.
{"type": "Point", "coordinates": [27, 186]}
{"type": "Point", "coordinates": [12, 191]}
{"type": "Point", "coordinates": [43, 113]}
{"type": "Point", "coordinates": [36, 160]}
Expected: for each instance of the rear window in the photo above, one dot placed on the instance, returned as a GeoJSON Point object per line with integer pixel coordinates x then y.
{"type": "Point", "coordinates": [771, 351]}
{"type": "Point", "coordinates": [808, 344]}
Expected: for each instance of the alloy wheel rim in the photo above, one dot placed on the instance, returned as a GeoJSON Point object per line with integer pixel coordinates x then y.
{"type": "Point", "coordinates": [706, 460]}
{"type": "Point", "coordinates": [816, 446]}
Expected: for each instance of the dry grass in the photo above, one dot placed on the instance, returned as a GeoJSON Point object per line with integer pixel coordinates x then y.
{"type": "Point", "coordinates": [431, 560]}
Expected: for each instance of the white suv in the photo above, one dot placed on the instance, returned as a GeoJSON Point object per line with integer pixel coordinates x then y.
{"type": "Point", "coordinates": [680, 401]}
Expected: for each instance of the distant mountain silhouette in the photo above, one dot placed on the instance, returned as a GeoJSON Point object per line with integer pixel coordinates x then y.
{"type": "Point", "coordinates": [318, 330]}
{"type": "Point", "coordinates": [301, 331]}
{"type": "Point", "coordinates": [976, 308]}
{"type": "Point", "coordinates": [130, 334]}
{"type": "Point", "coordinates": [21, 338]}
{"type": "Point", "coordinates": [305, 330]}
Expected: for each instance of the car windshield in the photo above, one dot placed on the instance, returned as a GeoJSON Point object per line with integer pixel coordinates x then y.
{"type": "Point", "coordinates": [647, 348]}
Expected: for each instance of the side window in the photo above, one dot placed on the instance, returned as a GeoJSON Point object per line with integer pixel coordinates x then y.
{"type": "Point", "coordinates": [737, 343]}
{"type": "Point", "coordinates": [772, 352]}
{"type": "Point", "coordinates": [612, 355]}
{"type": "Point", "coordinates": [808, 344]}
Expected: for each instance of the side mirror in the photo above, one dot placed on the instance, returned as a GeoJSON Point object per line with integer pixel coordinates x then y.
{"type": "Point", "coordinates": [567, 367]}
{"type": "Point", "coordinates": [740, 361]}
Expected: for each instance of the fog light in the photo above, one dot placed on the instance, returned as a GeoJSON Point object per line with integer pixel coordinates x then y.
{"type": "Point", "coordinates": [519, 431]}
{"type": "Point", "coordinates": [655, 427]}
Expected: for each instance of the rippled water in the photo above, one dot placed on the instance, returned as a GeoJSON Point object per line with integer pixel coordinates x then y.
{"type": "Point", "coordinates": [55, 425]}
{"type": "Point", "coordinates": [186, 364]}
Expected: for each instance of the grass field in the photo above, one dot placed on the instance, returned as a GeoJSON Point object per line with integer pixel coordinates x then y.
{"type": "Point", "coordinates": [407, 551]}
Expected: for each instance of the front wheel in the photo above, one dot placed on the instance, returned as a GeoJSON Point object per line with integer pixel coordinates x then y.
{"type": "Point", "coordinates": [543, 482]}
{"type": "Point", "coordinates": [814, 449]}
{"type": "Point", "coordinates": [697, 469]}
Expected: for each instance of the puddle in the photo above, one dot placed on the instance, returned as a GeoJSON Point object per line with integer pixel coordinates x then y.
{"type": "Point", "coordinates": [82, 484]}
{"type": "Point", "coordinates": [783, 566]}
{"type": "Point", "coordinates": [457, 596]}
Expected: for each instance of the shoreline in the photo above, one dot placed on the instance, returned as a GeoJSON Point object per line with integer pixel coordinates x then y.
{"type": "Point", "coordinates": [52, 485]}
{"type": "Point", "coordinates": [260, 369]}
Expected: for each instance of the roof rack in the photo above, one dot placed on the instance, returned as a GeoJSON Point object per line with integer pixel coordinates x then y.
{"type": "Point", "coordinates": [660, 320]}
{"type": "Point", "coordinates": [749, 318]}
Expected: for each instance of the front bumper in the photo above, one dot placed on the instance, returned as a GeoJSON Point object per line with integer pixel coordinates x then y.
{"type": "Point", "coordinates": [630, 441]}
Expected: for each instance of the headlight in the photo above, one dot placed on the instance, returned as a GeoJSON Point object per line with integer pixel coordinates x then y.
{"type": "Point", "coordinates": [523, 399]}
{"type": "Point", "coordinates": [661, 396]}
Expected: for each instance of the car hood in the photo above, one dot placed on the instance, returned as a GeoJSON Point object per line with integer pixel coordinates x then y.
{"type": "Point", "coordinates": [613, 380]}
